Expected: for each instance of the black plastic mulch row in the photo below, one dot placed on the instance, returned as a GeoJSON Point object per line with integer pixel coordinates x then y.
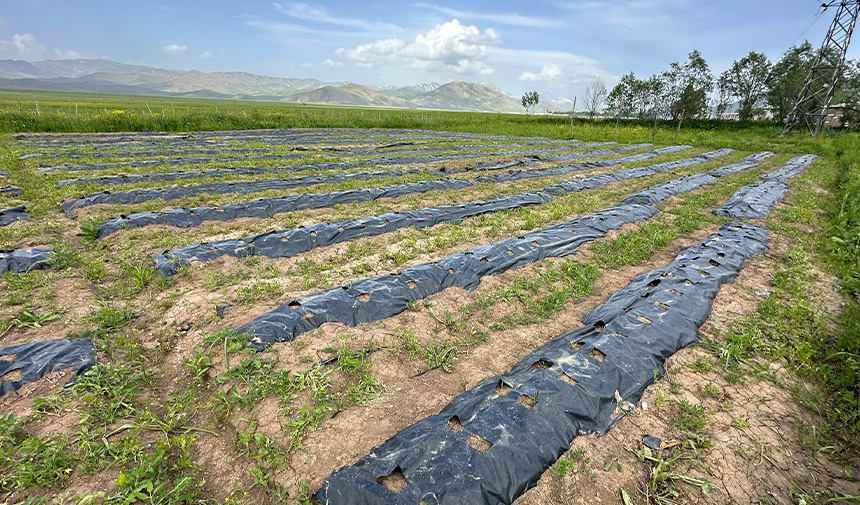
{"type": "Point", "coordinates": [10, 190]}
{"type": "Point", "coordinates": [414, 156]}
{"type": "Point", "coordinates": [632, 173]}
{"type": "Point", "coordinates": [660, 192]}
{"type": "Point", "coordinates": [12, 214]}
{"type": "Point", "coordinates": [126, 154]}
{"type": "Point", "coordinates": [791, 168]}
{"type": "Point", "coordinates": [341, 165]}
{"type": "Point", "coordinates": [526, 174]}
{"type": "Point", "coordinates": [756, 200]}
{"type": "Point", "coordinates": [493, 442]}
{"type": "Point", "coordinates": [385, 296]}
{"type": "Point", "coordinates": [197, 174]}
{"type": "Point", "coordinates": [4, 173]}
{"type": "Point", "coordinates": [268, 207]}
{"type": "Point", "coordinates": [175, 193]}
{"type": "Point", "coordinates": [20, 261]}
{"type": "Point", "coordinates": [284, 135]}
{"type": "Point", "coordinates": [36, 360]}
{"type": "Point", "coordinates": [289, 243]}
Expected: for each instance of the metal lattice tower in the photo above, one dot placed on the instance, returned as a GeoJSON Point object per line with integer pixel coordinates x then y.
{"type": "Point", "coordinates": [814, 100]}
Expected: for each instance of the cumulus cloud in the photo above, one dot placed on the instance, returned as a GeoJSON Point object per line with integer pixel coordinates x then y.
{"type": "Point", "coordinates": [66, 55]}
{"type": "Point", "coordinates": [174, 49]}
{"type": "Point", "coordinates": [448, 46]}
{"type": "Point", "coordinates": [547, 73]}
{"type": "Point", "coordinates": [207, 55]}
{"type": "Point", "coordinates": [22, 46]}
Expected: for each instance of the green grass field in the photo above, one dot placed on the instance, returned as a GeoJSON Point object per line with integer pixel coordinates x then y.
{"type": "Point", "coordinates": [179, 412]}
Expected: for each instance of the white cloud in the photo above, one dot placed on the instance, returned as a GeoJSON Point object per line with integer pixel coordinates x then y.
{"type": "Point", "coordinates": [66, 55]}
{"type": "Point", "coordinates": [321, 15]}
{"type": "Point", "coordinates": [511, 19]}
{"type": "Point", "coordinates": [22, 46]}
{"type": "Point", "coordinates": [172, 10]}
{"type": "Point", "coordinates": [207, 55]}
{"type": "Point", "coordinates": [174, 49]}
{"type": "Point", "coordinates": [547, 73]}
{"type": "Point", "coordinates": [448, 46]}
{"type": "Point", "coordinates": [329, 63]}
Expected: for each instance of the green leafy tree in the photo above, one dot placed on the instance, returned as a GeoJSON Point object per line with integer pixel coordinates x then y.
{"type": "Point", "coordinates": [622, 99]}
{"type": "Point", "coordinates": [787, 79]}
{"type": "Point", "coordinates": [686, 86]}
{"type": "Point", "coordinates": [747, 81]}
{"type": "Point", "coordinates": [530, 99]}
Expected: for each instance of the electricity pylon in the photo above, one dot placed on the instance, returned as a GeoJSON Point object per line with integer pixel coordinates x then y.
{"type": "Point", "coordinates": [814, 100]}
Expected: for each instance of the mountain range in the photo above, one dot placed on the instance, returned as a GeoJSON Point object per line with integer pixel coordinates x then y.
{"type": "Point", "coordinates": [104, 76]}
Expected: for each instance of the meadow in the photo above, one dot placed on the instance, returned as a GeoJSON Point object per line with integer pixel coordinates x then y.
{"type": "Point", "coordinates": [198, 394]}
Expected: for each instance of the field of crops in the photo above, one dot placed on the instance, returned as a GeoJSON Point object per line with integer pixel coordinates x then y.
{"type": "Point", "coordinates": [399, 315]}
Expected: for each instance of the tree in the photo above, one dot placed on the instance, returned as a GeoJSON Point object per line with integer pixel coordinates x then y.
{"type": "Point", "coordinates": [747, 81]}
{"type": "Point", "coordinates": [721, 98]}
{"type": "Point", "coordinates": [686, 86]}
{"type": "Point", "coordinates": [787, 79]}
{"type": "Point", "coordinates": [621, 100]}
{"type": "Point", "coordinates": [595, 95]}
{"type": "Point", "coordinates": [530, 99]}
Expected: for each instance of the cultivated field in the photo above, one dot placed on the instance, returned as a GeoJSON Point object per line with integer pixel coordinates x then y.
{"type": "Point", "coordinates": [364, 306]}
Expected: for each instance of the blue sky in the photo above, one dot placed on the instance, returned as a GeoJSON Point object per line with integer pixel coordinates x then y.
{"type": "Point", "coordinates": [556, 47]}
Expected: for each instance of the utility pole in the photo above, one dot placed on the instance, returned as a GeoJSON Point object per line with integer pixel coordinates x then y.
{"type": "Point", "coordinates": [814, 100]}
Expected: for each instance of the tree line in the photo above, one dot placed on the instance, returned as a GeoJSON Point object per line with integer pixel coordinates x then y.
{"type": "Point", "coordinates": [688, 89]}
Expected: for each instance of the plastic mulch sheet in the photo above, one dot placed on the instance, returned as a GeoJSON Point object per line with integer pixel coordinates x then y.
{"type": "Point", "coordinates": [525, 174]}
{"type": "Point", "coordinates": [493, 442]}
{"type": "Point", "coordinates": [381, 297]}
{"type": "Point", "coordinates": [12, 214]}
{"type": "Point", "coordinates": [756, 200]}
{"type": "Point", "coordinates": [288, 243]}
{"type": "Point", "coordinates": [10, 190]}
{"type": "Point", "coordinates": [31, 362]}
{"type": "Point", "coordinates": [20, 261]}
{"type": "Point", "coordinates": [175, 193]}
{"type": "Point", "coordinates": [268, 207]}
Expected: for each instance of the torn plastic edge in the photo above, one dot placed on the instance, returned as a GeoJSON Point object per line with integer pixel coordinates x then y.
{"type": "Point", "coordinates": [35, 360]}
{"type": "Point", "coordinates": [12, 214]}
{"type": "Point", "coordinates": [21, 261]}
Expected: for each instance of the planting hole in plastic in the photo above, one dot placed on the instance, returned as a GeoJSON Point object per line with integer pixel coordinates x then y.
{"type": "Point", "coordinates": [394, 482]}
{"type": "Point", "coordinates": [526, 401]}
{"type": "Point", "coordinates": [577, 345]}
{"type": "Point", "coordinates": [307, 315]}
{"type": "Point", "coordinates": [643, 319]}
{"type": "Point", "coordinates": [661, 305]}
{"type": "Point", "coordinates": [599, 326]}
{"type": "Point", "coordinates": [294, 305]}
{"type": "Point", "coordinates": [455, 425]}
{"type": "Point", "coordinates": [478, 443]}
{"type": "Point", "coordinates": [412, 284]}
{"type": "Point", "coordinates": [541, 363]}
{"type": "Point", "coordinates": [653, 284]}
{"type": "Point", "coordinates": [364, 297]}
{"type": "Point", "coordinates": [598, 354]}
{"type": "Point", "coordinates": [567, 378]}
{"type": "Point", "coordinates": [502, 388]}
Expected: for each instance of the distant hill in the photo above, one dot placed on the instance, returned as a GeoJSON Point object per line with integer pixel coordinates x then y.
{"type": "Point", "coordinates": [104, 76]}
